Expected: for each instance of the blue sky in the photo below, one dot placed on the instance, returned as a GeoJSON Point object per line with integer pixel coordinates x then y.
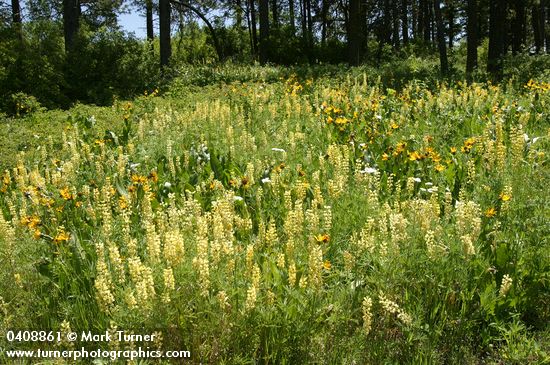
{"type": "Point", "coordinates": [133, 22]}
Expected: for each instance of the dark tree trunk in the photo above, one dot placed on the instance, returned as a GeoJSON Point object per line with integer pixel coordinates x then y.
{"type": "Point", "coordinates": [291, 12]}
{"type": "Point", "coordinates": [149, 20]}
{"type": "Point", "coordinates": [164, 20]}
{"type": "Point", "coordinates": [254, 30]}
{"type": "Point", "coordinates": [71, 22]}
{"type": "Point", "coordinates": [249, 27]}
{"type": "Point", "coordinates": [275, 13]}
{"type": "Point", "coordinates": [497, 24]}
{"type": "Point", "coordinates": [264, 31]}
{"type": "Point", "coordinates": [354, 32]}
{"type": "Point", "coordinates": [472, 34]}
{"type": "Point", "coordinates": [309, 28]}
{"type": "Point", "coordinates": [364, 21]}
{"type": "Point", "coordinates": [15, 12]}
{"type": "Point", "coordinates": [16, 18]}
{"type": "Point", "coordinates": [405, 21]}
{"type": "Point", "coordinates": [441, 39]}
{"type": "Point", "coordinates": [518, 26]}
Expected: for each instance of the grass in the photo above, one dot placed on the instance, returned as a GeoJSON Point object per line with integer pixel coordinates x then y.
{"type": "Point", "coordinates": [318, 219]}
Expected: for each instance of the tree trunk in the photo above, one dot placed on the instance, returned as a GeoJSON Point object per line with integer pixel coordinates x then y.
{"type": "Point", "coordinates": [71, 14]}
{"type": "Point", "coordinates": [254, 29]}
{"type": "Point", "coordinates": [164, 20]}
{"type": "Point", "coordinates": [497, 20]}
{"type": "Point", "coordinates": [518, 26]}
{"type": "Point", "coordinates": [364, 21]}
{"type": "Point", "coordinates": [292, 16]}
{"type": "Point", "coordinates": [405, 21]}
{"type": "Point", "coordinates": [264, 31]}
{"type": "Point", "coordinates": [15, 12]}
{"type": "Point", "coordinates": [441, 39]}
{"type": "Point", "coordinates": [16, 18]}
{"type": "Point", "coordinates": [149, 20]}
{"type": "Point", "coordinates": [275, 13]}
{"type": "Point", "coordinates": [471, 32]}
{"type": "Point", "coordinates": [354, 32]}
{"type": "Point", "coordinates": [309, 29]}
{"type": "Point", "coordinates": [303, 20]}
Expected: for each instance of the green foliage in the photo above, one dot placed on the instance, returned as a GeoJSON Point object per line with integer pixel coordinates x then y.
{"type": "Point", "coordinates": [108, 64]}
{"type": "Point", "coordinates": [258, 150]}
{"type": "Point", "coordinates": [24, 104]}
{"type": "Point", "coordinates": [104, 65]}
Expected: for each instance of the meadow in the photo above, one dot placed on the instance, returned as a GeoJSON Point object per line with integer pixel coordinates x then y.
{"type": "Point", "coordinates": [296, 220]}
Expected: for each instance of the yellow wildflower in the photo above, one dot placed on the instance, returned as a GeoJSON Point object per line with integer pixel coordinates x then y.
{"type": "Point", "coordinates": [62, 236]}
{"type": "Point", "coordinates": [138, 179]}
{"type": "Point", "coordinates": [490, 213]}
{"type": "Point", "coordinates": [322, 238]}
{"type": "Point", "coordinates": [414, 155]}
{"type": "Point", "coordinates": [66, 194]}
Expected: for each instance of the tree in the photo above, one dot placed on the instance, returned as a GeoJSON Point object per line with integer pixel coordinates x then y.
{"type": "Point", "coordinates": [471, 33]}
{"type": "Point", "coordinates": [426, 19]}
{"type": "Point", "coordinates": [211, 29]}
{"type": "Point", "coordinates": [292, 16]}
{"type": "Point", "coordinates": [264, 31]}
{"type": "Point", "coordinates": [253, 31]}
{"type": "Point", "coordinates": [497, 25]}
{"type": "Point", "coordinates": [71, 22]}
{"type": "Point", "coordinates": [354, 32]}
{"type": "Point", "coordinates": [164, 20]}
{"type": "Point", "coordinates": [441, 39]}
{"type": "Point", "coordinates": [149, 19]}
{"type": "Point", "coordinates": [275, 13]}
{"type": "Point", "coordinates": [518, 26]}
{"type": "Point", "coordinates": [16, 18]}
